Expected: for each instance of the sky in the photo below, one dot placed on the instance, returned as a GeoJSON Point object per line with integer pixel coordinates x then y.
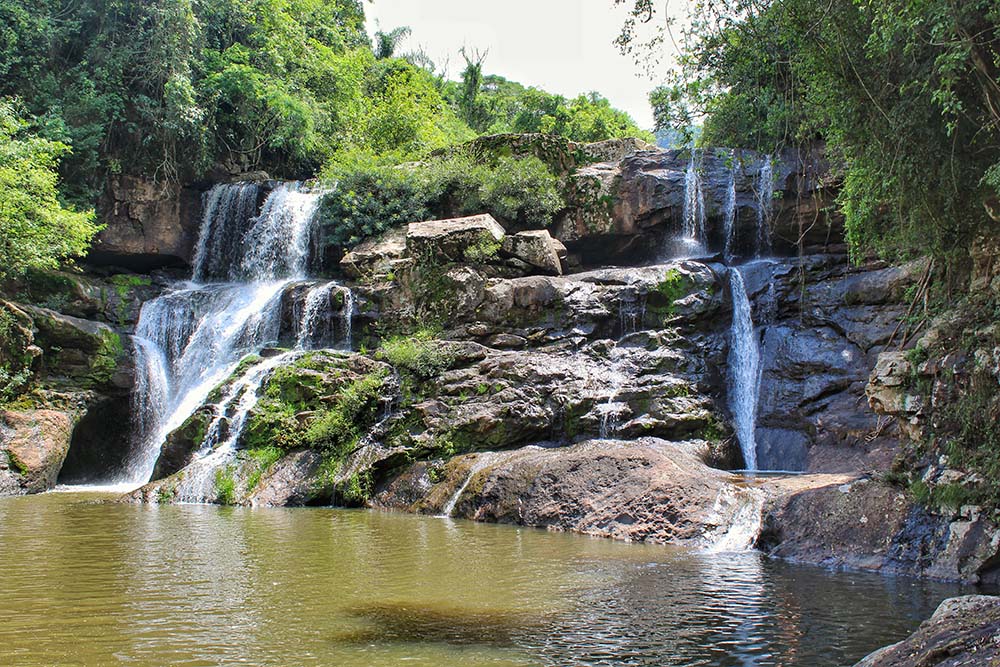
{"type": "Point", "coordinates": [561, 46]}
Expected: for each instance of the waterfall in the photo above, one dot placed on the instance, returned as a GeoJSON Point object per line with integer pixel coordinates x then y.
{"type": "Point", "coordinates": [765, 205]}
{"type": "Point", "coordinates": [729, 213]}
{"type": "Point", "coordinates": [149, 402]}
{"type": "Point", "coordinates": [228, 212]}
{"type": "Point", "coordinates": [744, 369]}
{"type": "Point", "coordinates": [191, 338]}
{"type": "Point", "coordinates": [482, 461]}
{"type": "Point", "coordinates": [694, 202]}
{"type": "Point", "coordinates": [315, 328]}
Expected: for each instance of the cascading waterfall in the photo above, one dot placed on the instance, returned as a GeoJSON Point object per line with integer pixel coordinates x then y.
{"type": "Point", "coordinates": [744, 369]}
{"type": "Point", "coordinates": [694, 202]}
{"type": "Point", "coordinates": [191, 339]}
{"type": "Point", "coordinates": [765, 204]}
{"type": "Point", "coordinates": [612, 410]}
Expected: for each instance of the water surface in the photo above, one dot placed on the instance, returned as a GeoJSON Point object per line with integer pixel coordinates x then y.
{"type": "Point", "coordinates": [88, 583]}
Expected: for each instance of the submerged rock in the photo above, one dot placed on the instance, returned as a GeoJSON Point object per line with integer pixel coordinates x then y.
{"type": "Point", "coordinates": [964, 631]}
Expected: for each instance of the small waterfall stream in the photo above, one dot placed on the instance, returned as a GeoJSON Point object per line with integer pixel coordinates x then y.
{"type": "Point", "coordinates": [191, 338]}
{"type": "Point", "coordinates": [694, 203]}
{"type": "Point", "coordinates": [729, 213]}
{"type": "Point", "coordinates": [744, 369]}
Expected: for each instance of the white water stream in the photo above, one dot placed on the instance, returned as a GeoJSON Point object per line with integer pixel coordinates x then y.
{"type": "Point", "coordinates": [744, 369]}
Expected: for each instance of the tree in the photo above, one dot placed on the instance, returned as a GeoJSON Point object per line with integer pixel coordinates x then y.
{"type": "Point", "coordinates": [36, 230]}
{"type": "Point", "coordinates": [386, 43]}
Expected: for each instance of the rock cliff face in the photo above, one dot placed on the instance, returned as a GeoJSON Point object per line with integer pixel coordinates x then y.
{"type": "Point", "coordinates": [148, 224]}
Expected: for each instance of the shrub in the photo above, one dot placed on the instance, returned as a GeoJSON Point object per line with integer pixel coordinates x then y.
{"type": "Point", "coordinates": [522, 191]}
{"type": "Point", "coordinates": [368, 201]}
{"type": "Point", "coordinates": [419, 354]}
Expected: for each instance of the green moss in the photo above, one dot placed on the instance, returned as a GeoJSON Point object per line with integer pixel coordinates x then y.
{"type": "Point", "coordinates": [356, 490]}
{"type": "Point", "coordinates": [713, 431]}
{"type": "Point", "coordinates": [16, 463]}
{"type": "Point", "coordinates": [483, 251]}
{"type": "Point", "coordinates": [337, 430]}
{"type": "Point", "coordinates": [661, 300]}
{"type": "Point", "coordinates": [242, 367]}
{"type": "Point", "coordinates": [104, 363]}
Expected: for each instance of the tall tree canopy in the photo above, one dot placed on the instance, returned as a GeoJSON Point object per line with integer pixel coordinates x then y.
{"type": "Point", "coordinates": [906, 94]}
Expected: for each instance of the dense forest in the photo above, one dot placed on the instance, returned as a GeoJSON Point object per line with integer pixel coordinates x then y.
{"type": "Point", "coordinates": [187, 90]}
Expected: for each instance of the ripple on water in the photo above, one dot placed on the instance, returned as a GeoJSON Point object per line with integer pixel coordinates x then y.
{"type": "Point", "coordinates": [106, 583]}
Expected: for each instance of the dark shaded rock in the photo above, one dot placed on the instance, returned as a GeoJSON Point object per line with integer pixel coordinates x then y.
{"type": "Point", "coordinates": [149, 224]}
{"type": "Point", "coordinates": [100, 443]}
{"type": "Point", "coordinates": [181, 444]}
{"type": "Point", "coordinates": [868, 524]}
{"type": "Point", "coordinates": [963, 631]}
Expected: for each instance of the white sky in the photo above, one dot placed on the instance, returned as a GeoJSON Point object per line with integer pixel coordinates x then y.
{"type": "Point", "coordinates": [561, 46]}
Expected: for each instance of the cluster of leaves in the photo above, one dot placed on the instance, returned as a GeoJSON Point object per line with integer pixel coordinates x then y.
{"type": "Point", "coordinates": [905, 94]}
{"type": "Point", "coordinates": [172, 88]}
{"type": "Point", "coordinates": [369, 199]}
{"type": "Point", "coordinates": [36, 230]}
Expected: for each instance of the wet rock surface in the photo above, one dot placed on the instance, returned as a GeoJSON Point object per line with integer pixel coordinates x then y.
{"type": "Point", "coordinates": [644, 489]}
{"type": "Point", "coordinates": [963, 632]}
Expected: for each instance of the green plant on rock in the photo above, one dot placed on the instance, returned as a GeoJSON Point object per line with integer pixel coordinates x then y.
{"type": "Point", "coordinates": [225, 485]}
{"type": "Point", "coordinates": [420, 354]}
{"type": "Point", "coordinates": [356, 490]}
{"type": "Point", "coordinates": [262, 458]}
{"type": "Point", "coordinates": [336, 431]}
{"type": "Point", "coordinates": [483, 251]}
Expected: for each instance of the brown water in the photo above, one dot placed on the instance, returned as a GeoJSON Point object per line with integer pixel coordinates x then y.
{"type": "Point", "coordinates": [104, 584]}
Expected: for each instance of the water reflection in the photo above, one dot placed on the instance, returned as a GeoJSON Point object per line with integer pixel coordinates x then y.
{"type": "Point", "coordinates": [193, 585]}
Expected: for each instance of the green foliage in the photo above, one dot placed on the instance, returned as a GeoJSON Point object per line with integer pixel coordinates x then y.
{"type": "Point", "coordinates": [263, 458]}
{"type": "Point", "coordinates": [337, 431]}
{"type": "Point", "coordinates": [36, 230]}
{"type": "Point", "coordinates": [369, 201]}
{"type": "Point", "coordinates": [225, 485]}
{"type": "Point", "coordinates": [904, 93]}
{"type": "Point", "coordinates": [493, 105]}
{"type": "Point", "coordinates": [370, 198]}
{"type": "Point", "coordinates": [419, 355]}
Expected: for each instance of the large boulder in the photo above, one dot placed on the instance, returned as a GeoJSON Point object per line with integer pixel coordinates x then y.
{"type": "Point", "coordinates": [457, 240]}
{"type": "Point", "coordinates": [641, 490]}
{"type": "Point", "coordinates": [375, 257]}
{"type": "Point", "coordinates": [537, 249]}
{"type": "Point", "coordinates": [33, 446]}
{"type": "Point", "coordinates": [962, 631]}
